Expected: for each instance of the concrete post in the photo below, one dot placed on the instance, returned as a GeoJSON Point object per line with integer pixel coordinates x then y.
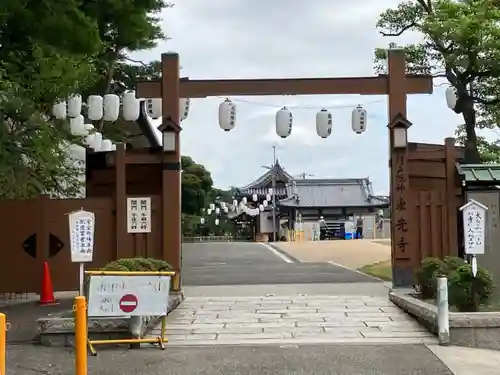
{"type": "Point", "coordinates": [443, 316]}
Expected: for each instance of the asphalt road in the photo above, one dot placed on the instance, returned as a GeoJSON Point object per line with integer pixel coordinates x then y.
{"type": "Point", "coordinates": [234, 360]}
{"type": "Point", "coordinates": [252, 263]}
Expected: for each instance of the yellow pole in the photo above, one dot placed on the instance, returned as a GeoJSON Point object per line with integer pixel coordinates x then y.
{"type": "Point", "coordinates": [80, 336]}
{"type": "Point", "coordinates": [3, 338]}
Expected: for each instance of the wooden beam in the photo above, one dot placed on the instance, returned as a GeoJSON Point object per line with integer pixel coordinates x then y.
{"type": "Point", "coordinates": [135, 159]}
{"type": "Point", "coordinates": [286, 86]}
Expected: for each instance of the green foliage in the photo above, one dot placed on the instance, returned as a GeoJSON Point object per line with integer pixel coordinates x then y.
{"type": "Point", "coordinates": [461, 42]}
{"type": "Point", "coordinates": [489, 151]}
{"type": "Point", "coordinates": [48, 50]}
{"type": "Point", "coordinates": [426, 276]}
{"type": "Point", "coordinates": [467, 292]}
{"type": "Point", "coordinates": [196, 186]}
{"type": "Point", "coordinates": [137, 264]}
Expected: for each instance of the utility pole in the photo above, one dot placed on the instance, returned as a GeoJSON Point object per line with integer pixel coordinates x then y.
{"type": "Point", "coordinates": [273, 175]}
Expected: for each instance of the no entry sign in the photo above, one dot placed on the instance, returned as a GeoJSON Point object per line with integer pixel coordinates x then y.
{"type": "Point", "coordinates": [128, 303]}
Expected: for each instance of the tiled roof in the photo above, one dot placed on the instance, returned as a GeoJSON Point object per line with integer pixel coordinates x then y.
{"type": "Point", "coordinates": [280, 191]}
{"type": "Point", "coordinates": [331, 193]}
{"type": "Point", "coordinates": [479, 173]}
{"type": "Point", "coordinates": [266, 179]}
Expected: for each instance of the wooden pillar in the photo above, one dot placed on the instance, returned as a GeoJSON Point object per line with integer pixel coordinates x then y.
{"type": "Point", "coordinates": [402, 232]}
{"type": "Point", "coordinates": [451, 201]}
{"type": "Point", "coordinates": [171, 172]}
{"type": "Point", "coordinates": [121, 203]}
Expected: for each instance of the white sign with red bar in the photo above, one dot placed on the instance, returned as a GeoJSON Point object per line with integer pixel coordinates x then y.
{"type": "Point", "coordinates": [111, 295]}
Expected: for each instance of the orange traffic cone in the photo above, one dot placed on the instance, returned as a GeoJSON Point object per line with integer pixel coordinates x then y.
{"type": "Point", "coordinates": [47, 292]}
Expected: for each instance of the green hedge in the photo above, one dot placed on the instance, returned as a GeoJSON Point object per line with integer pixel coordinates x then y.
{"type": "Point", "coordinates": [137, 264]}
{"type": "Point", "coordinates": [465, 291]}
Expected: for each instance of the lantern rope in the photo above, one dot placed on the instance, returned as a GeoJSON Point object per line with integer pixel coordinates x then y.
{"type": "Point", "coordinates": [316, 108]}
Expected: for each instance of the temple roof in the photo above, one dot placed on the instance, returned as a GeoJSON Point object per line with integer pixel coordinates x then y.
{"type": "Point", "coordinates": [348, 192]}
{"type": "Point", "coordinates": [262, 184]}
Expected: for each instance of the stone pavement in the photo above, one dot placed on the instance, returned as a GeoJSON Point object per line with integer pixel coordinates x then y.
{"type": "Point", "coordinates": [351, 254]}
{"type": "Point", "coordinates": [299, 319]}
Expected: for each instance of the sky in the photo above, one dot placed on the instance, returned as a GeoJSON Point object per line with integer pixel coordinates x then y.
{"type": "Point", "coordinates": [293, 38]}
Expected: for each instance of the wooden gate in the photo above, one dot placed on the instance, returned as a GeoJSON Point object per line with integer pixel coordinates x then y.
{"type": "Point", "coordinates": [37, 230]}
{"type": "Point", "coordinates": [436, 195]}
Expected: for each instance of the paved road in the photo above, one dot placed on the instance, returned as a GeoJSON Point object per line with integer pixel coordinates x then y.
{"type": "Point", "coordinates": [252, 263]}
{"type": "Point", "coordinates": [235, 360]}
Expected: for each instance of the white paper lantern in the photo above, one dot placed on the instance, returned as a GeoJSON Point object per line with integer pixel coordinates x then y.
{"type": "Point", "coordinates": [261, 207]}
{"type": "Point", "coordinates": [268, 197]}
{"type": "Point", "coordinates": [113, 147]}
{"type": "Point", "coordinates": [131, 106]}
{"type": "Point", "coordinates": [227, 115]}
{"type": "Point", "coordinates": [216, 221]}
{"type": "Point", "coordinates": [212, 206]}
{"type": "Point", "coordinates": [226, 209]}
{"type": "Point", "coordinates": [76, 125]}
{"type": "Point", "coordinates": [254, 197]}
{"type": "Point", "coordinates": [217, 211]}
{"type": "Point", "coordinates": [111, 107]}
{"type": "Point", "coordinates": [324, 123]}
{"type": "Point", "coordinates": [209, 212]}
{"type": "Point", "coordinates": [97, 141]}
{"type": "Point", "coordinates": [75, 105]}
{"type": "Point", "coordinates": [202, 220]}
{"type": "Point", "coordinates": [244, 200]}
{"type": "Point", "coordinates": [184, 104]}
{"type": "Point", "coordinates": [95, 108]}
{"type": "Point", "coordinates": [222, 204]}
{"type": "Point", "coordinates": [235, 202]}
{"type": "Point", "coordinates": [153, 108]}
{"type": "Point", "coordinates": [358, 120]}
{"type": "Point", "coordinates": [284, 122]}
{"type": "Point", "coordinates": [265, 203]}
{"type": "Point", "coordinates": [451, 97]}
{"type": "Point", "coordinates": [106, 145]}
{"type": "Point", "coordinates": [270, 191]}
{"type": "Point", "coordinates": [59, 110]}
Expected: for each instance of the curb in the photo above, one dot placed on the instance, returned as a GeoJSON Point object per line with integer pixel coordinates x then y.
{"type": "Point", "coordinates": [281, 251]}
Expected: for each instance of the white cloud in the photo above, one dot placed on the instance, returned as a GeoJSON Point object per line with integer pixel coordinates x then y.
{"type": "Point", "coordinates": [321, 38]}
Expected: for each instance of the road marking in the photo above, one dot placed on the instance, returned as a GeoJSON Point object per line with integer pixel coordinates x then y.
{"type": "Point", "coordinates": [276, 252]}
{"type": "Point", "coordinates": [353, 270]}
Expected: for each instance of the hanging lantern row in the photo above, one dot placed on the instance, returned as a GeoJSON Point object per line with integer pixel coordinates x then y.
{"type": "Point", "coordinates": [154, 108]}
{"type": "Point", "coordinates": [284, 120]}
{"type": "Point", "coordinates": [107, 107]}
{"type": "Point", "coordinates": [92, 138]}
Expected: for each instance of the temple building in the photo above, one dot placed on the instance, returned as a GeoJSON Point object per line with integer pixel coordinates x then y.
{"type": "Point", "coordinates": [301, 202]}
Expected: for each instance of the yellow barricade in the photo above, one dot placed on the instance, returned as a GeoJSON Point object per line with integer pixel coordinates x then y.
{"type": "Point", "coordinates": [3, 341]}
{"type": "Point", "coordinates": [81, 327]}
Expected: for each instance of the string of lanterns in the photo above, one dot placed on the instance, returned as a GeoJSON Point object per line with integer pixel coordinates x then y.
{"type": "Point", "coordinates": [107, 108]}
{"type": "Point", "coordinates": [238, 207]}
{"type": "Point", "coordinates": [284, 120]}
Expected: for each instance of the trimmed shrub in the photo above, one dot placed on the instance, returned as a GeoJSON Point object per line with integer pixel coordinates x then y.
{"type": "Point", "coordinates": [426, 276]}
{"type": "Point", "coordinates": [467, 292]}
{"type": "Point", "coordinates": [137, 264]}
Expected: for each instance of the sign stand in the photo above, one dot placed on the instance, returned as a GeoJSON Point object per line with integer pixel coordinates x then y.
{"type": "Point", "coordinates": [81, 233]}
{"type": "Point", "coordinates": [474, 219]}
{"type": "Point", "coordinates": [133, 294]}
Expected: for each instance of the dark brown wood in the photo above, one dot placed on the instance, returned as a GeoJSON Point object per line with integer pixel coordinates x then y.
{"type": "Point", "coordinates": [427, 169]}
{"type": "Point", "coordinates": [451, 201]}
{"type": "Point", "coordinates": [171, 177]}
{"type": "Point", "coordinates": [286, 86]}
{"type": "Point", "coordinates": [121, 202]}
{"type": "Point", "coordinates": [134, 159]}
{"type": "Point", "coordinates": [403, 230]}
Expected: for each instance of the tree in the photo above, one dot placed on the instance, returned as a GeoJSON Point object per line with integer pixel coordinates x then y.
{"type": "Point", "coordinates": [461, 42]}
{"type": "Point", "coordinates": [196, 186]}
{"type": "Point", "coordinates": [489, 151]}
{"type": "Point", "coordinates": [48, 50]}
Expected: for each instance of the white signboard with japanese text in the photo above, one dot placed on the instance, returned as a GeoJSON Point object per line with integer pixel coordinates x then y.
{"type": "Point", "coordinates": [126, 295]}
{"type": "Point", "coordinates": [139, 215]}
{"type": "Point", "coordinates": [474, 219]}
{"type": "Point", "coordinates": [81, 233]}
